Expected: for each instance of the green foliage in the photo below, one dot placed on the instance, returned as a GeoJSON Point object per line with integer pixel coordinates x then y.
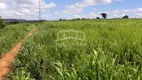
{"type": "Point", "coordinates": [2, 23]}
{"type": "Point", "coordinates": [113, 52]}
{"type": "Point", "coordinates": [21, 75]}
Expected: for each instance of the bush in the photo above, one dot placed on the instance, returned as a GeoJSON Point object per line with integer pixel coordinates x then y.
{"type": "Point", "coordinates": [60, 19]}
{"type": "Point", "coordinates": [98, 18]}
{"type": "Point", "coordinates": [2, 23]}
{"type": "Point", "coordinates": [125, 17]}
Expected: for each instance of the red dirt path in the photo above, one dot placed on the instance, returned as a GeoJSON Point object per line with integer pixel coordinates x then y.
{"type": "Point", "coordinates": [7, 60]}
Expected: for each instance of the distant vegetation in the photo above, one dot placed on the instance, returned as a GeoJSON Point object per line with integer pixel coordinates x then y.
{"type": "Point", "coordinates": [104, 15]}
{"type": "Point", "coordinates": [125, 17]}
{"type": "Point", "coordinates": [98, 18]}
{"type": "Point", "coordinates": [2, 23]}
{"type": "Point", "coordinates": [16, 21]}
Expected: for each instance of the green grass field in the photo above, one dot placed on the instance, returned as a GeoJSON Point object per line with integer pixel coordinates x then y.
{"type": "Point", "coordinates": [113, 51]}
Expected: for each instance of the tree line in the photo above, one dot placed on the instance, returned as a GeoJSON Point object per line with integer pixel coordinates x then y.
{"type": "Point", "coordinates": [104, 15]}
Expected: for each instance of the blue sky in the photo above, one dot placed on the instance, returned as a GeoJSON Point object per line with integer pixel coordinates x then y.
{"type": "Point", "coordinates": [68, 9]}
{"type": "Point", "coordinates": [124, 4]}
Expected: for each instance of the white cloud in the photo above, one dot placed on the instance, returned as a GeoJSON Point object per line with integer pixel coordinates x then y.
{"type": "Point", "coordinates": [132, 13]}
{"type": "Point", "coordinates": [23, 8]}
{"type": "Point", "coordinates": [80, 6]}
{"type": "Point", "coordinates": [89, 15]}
{"type": "Point", "coordinates": [2, 5]}
{"type": "Point", "coordinates": [50, 5]}
{"type": "Point", "coordinates": [139, 9]}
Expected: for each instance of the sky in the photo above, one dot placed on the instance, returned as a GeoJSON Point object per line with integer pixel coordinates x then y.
{"type": "Point", "coordinates": [69, 9]}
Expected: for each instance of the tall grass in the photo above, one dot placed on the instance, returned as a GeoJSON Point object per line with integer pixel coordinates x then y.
{"type": "Point", "coordinates": [11, 34]}
{"type": "Point", "coordinates": [113, 52]}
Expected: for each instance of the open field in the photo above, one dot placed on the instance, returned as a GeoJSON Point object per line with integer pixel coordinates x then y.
{"type": "Point", "coordinates": [113, 51]}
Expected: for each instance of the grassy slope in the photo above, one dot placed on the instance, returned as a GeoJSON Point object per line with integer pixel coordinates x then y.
{"type": "Point", "coordinates": [113, 52]}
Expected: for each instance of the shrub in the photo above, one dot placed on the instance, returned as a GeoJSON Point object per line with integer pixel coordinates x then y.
{"type": "Point", "coordinates": [78, 18]}
{"type": "Point", "coordinates": [125, 17]}
{"type": "Point", "coordinates": [2, 23]}
{"type": "Point", "coordinates": [98, 18]}
{"type": "Point", "coordinates": [60, 19]}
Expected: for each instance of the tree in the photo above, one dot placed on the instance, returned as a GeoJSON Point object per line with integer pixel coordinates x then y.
{"type": "Point", "coordinates": [83, 18]}
{"type": "Point", "coordinates": [60, 19]}
{"type": "Point", "coordinates": [78, 18]}
{"type": "Point", "coordinates": [63, 19]}
{"type": "Point", "coordinates": [98, 18]}
{"type": "Point", "coordinates": [104, 15]}
{"type": "Point", "coordinates": [125, 17]}
{"type": "Point", "coordinates": [2, 23]}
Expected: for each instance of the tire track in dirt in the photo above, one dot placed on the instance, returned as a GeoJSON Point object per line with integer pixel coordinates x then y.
{"type": "Point", "coordinates": [8, 58]}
